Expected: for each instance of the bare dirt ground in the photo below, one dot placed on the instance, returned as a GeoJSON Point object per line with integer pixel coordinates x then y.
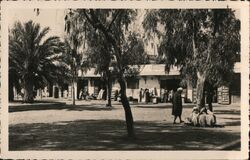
{"type": "Point", "coordinates": [92, 126]}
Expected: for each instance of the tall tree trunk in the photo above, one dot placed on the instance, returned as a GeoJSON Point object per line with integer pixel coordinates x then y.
{"type": "Point", "coordinates": [127, 109]}
{"type": "Point", "coordinates": [28, 90]}
{"type": "Point", "coordinates": [109, 90]}
{"type": "Point", "coordinates": [115, 43]}
{"type": "Point", "coordinates": [200, 90]}
{"type": "Point", "coordinates": [73, 92]}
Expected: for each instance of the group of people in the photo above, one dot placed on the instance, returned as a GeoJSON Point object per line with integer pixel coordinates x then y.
{"type": "Point", "coordinates": [83, 94]}
{"type": "Point", "coordinates": [147, 94]}
{"type": "Point", "coordinates": [166, 95]}
{"type": "Point", "coordinates": [203, 117]}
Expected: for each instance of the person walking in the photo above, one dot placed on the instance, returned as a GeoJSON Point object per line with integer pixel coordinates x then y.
{"type": "Point", "coordinates": [177, 105]}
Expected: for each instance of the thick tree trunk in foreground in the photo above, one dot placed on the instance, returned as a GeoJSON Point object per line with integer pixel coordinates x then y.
{"type": "Point", "coordinates": [28, 90]}
{"type": "Point", "coordinates": [127, 109]}
{"type": "Point", "coordinates": [115, 43]}
{"type": "Point", "coordinates": [200, 90]}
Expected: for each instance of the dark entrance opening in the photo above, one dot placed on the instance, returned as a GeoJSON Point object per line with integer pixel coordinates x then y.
{"type": "Point", "coordinates": [168, 87]}
{"type": "Point", "coordinates": [235, 88]}
{"type": "Point", "coordinates": [82, 84]}
{"type": "Point", "coordinates": [64, 88]}
{"type": "Point", "coordinates": [170, 84]}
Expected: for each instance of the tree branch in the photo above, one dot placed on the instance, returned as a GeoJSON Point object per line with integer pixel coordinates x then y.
{"type": "Point", "coordinates": [117, 14]}
{"type": "Point", "coordinates": [88, 18]}
{"type": "Point", "coordinates": [95, 22]}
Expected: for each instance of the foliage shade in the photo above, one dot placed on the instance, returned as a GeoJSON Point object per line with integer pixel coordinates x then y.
{"type": "Point", "coordinates": [215, 33]}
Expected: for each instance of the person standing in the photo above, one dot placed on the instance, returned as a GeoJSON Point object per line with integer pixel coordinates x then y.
{"type": "Point", "coordinates": [177, 105]}
{"type": "Point", "coordinates": [140, 95]}
{"type": "Point", "coordinates": [116, 95]}
{"type": "Point", "coordinates": [147, 95]}
{"type": "Point", "coordinates": [210, 100]}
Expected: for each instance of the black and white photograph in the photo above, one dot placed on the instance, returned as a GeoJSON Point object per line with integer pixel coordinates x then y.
{"type": "Point", "coordinates": [123, 78]}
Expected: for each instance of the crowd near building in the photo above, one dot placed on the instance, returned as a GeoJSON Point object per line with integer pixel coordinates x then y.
{"type": "Point", "coordinates": [152, 79]}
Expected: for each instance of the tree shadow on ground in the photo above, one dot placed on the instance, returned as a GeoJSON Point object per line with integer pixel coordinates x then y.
{"type": "Point", "coordinates": [163, 106]}
{"type": "Point", "coordinates": [232, 118]}
{"type": "Point", "coordinates": [159, 107]}
{"type": "Point", "coordinates": [37, 107]}
{"type": "Point", "coordinates": [111, 135]}
{"type": "Point", "coordinates": [233, 123]}
{"type": "Point", "coordinates": [232, 112]}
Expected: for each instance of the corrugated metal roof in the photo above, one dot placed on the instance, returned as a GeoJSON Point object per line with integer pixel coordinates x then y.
{"type": "Point", "coordinates": [146, 70]}
{"type": "Point", "coordinates": [157, 70]}
{"type": "Point", "coordinates": [150, 70]}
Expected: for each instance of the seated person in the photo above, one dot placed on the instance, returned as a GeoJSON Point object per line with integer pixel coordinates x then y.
{"type": "Point", "coordinates": [202, 117]}
{"type": "Point", "coordinates": [193, 119]}
{"type": "Point", "coordinates": [210, 118]}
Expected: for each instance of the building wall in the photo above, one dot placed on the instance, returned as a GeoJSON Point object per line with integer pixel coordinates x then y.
{"type": "Point", "coordinates": [152, 75]}
{"type": "Point", "coordinates": [149, 82]}
{"type": "Point", "coordinates": [145, 82]}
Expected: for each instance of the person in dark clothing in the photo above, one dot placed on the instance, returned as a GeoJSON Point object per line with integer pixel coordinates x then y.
{"type": "Point", "coordinates": [116, 95]}
{"type": "Point", "coordinates": [140, 94]}
{"type": "Point", "coordinates": [147, 95]}
{"type": "Point", "coordinates": [177, 105]}
{"type": "Point", "coordinates": [210, 100]}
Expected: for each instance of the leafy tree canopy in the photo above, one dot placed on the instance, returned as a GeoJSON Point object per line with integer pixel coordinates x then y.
{"type": "Point", "coordinates": [197, 40]}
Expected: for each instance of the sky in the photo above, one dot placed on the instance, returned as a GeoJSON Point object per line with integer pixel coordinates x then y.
{"type": "Point", "coordinates": [47, 18]}
{"type": "Point", "coordinates": [54, 18]}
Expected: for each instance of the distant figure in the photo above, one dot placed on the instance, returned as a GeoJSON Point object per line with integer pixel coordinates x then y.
{"type": "Point", "coordinates": [80, 94]}
{"type": "Point", "coordinates": [147, 95]}
{"type": "Point", "coordinates": [155, 92]}
{"type": "Point", "coordinates": [177, 105]}
{"type": "Point", "coordinates": [166, 95]}
{"type": "Point", "coordinates": [85, 94]}
{"type": "Point", "coordinates": [140, 95]}
{"type": "Point", "coordinates": [162, 94]}
{"type": "Point", "coordinates": [170, 95]}
{"type": "Point", "coordinates": [116, 95]}
{"type": "Point", "coordinates": [100, 94]}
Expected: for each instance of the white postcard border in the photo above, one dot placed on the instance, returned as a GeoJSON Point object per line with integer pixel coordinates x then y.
{"type": "Point", "coordinates": [244, 8]}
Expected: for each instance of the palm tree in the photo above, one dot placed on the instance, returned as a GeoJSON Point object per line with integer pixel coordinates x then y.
{"type": "Point", "coordinates": [34, 59]}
